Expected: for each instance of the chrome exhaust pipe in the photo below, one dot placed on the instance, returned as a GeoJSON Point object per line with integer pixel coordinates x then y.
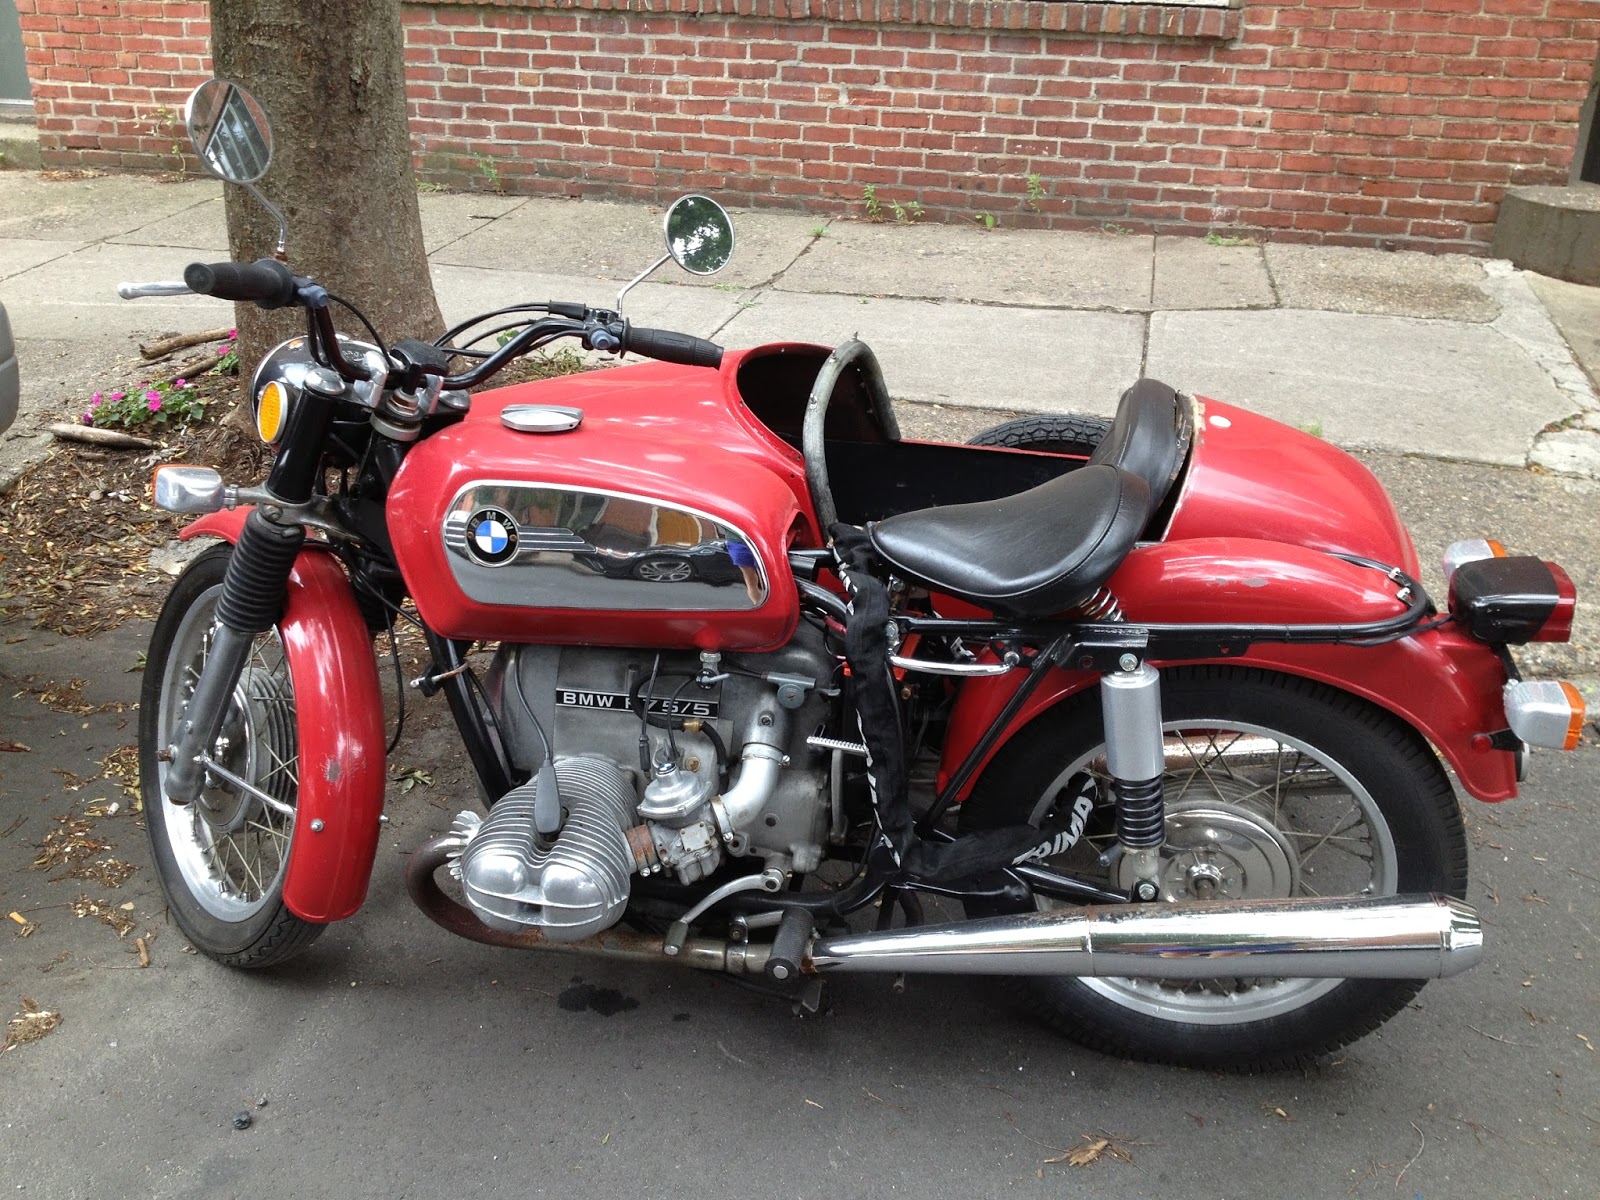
{"type": "Point", "coordinates": [1383, 937]}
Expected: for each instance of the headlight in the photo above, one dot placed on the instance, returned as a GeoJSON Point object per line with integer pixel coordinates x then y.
{"type": "Point", "coordinates": [280, 378]}
{"type": "Point", "coordinates": [275, 387]}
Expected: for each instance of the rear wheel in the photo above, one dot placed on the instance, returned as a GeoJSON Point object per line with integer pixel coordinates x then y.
{"type": "Point", "coordinates": [1069, 433]}
{"type": "Point", "coordinates": [221, 860]}
{"type": "Point", "coordinates": [1275, 787]}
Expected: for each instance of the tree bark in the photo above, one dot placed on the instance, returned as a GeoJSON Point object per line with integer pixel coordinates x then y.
{"type": "Point", "coordinates": [331, 75]}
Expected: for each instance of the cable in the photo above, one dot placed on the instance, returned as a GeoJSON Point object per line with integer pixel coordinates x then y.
{"type": "Point", "coordinates": [481, 317]}
{"type": "Point", "coordinates": [399, 692]}
{"type": "Point", "coordinates": [644, 718]}
{"type": "Point", "coordinates": [514, 675]}
{"type": "Point", "coordinates": [362, 317]}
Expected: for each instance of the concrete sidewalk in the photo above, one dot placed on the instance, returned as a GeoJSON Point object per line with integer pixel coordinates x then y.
{"type": "Point", "coordinates": [1448, 357]}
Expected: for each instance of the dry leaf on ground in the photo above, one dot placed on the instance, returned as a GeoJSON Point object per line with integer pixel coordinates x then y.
{"type": "Point", "coordinates": [29, 1025]}
{"type": "Point", "coordinates": [1096, 1145]}
{"type": "Point", "coordinates": [68, 842]}
{"type": "Point", "coordinates": [116, 918]}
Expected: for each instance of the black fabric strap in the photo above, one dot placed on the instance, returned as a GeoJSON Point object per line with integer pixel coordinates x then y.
{"type": "Point", "coordinates": [877, 701]}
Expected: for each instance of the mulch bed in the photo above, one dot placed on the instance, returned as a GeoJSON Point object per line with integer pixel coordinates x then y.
{"type": "Point", "coordinates": [77, 531]}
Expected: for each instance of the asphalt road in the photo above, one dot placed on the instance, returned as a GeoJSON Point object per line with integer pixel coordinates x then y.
{"type": "Point", "coordinates": [396, 1061]}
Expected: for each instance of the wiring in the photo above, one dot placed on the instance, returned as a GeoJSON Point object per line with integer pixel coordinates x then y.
{"type": "Point", "coordinates": [377, 338]}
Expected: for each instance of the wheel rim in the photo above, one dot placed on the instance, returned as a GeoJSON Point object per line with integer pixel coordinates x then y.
{"type": "Point", "coordinates": [664, 570]}
{"type": "Point", "coordinates": [1257, 814]}
{"type": "Point", "coordinates": [231, 847]}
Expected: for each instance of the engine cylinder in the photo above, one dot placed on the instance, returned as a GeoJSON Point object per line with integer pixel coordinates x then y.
{"type": "Point", "coordinates": [576, 887]}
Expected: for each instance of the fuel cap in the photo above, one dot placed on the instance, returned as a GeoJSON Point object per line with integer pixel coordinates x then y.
{"type": "Point", "coordinates": [541, 418]}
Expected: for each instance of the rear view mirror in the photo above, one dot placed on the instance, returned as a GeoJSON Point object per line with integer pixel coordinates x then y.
{"type": "Point", "coordinates": [230, 131]}
{"type": "Point", "coordinates": [699, 235]}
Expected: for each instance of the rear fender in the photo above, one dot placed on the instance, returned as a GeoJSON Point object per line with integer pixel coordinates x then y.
{"type": "Point", "coordinates": [1441, 683]}
{"type": "Point", "coordinates": [340, 716]}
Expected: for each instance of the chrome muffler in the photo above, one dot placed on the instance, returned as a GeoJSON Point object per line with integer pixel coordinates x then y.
{"type": "Point", "coordinates": [1382, 937]}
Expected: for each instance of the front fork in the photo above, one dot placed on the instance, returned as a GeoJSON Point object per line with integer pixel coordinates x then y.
{"type": "Point", "coordinates": [1130, 701]}
{"type": "Point", "coordinates": [251, 604]}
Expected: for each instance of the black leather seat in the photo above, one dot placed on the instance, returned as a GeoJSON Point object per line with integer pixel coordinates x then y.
{"type": "Point", "coordinates": [1150, 437]}
{"type": "Point", "coordinates": [1034, 554]}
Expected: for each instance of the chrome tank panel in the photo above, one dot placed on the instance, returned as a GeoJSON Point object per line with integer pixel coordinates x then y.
{"type": "Point", "coordinates": [526, 544]}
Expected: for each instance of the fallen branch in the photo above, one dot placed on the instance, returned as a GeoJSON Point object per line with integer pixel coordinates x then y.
{"type": "Point", "coordinates": [115, 439]}
{"type": "Point", "coordinates": [182, 341]}
{"type": "Point", "coordinates": [192, 368]}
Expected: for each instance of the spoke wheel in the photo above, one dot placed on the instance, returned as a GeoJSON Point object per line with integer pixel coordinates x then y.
{"type": "Point", "coordinates": [1275, 787]}
{"type": "Point", "coordinates": [221, 860]}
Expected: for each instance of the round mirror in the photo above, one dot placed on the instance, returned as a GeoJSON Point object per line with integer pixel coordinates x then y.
{"type": "Point", "coordinates": [699, 235]}
{"type": "Point", "coordinates": [230, 131]}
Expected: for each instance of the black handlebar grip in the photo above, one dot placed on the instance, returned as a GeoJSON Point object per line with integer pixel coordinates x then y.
{"type": "Point", "coordinates": [680, 348]}
{"type": "Point", "coordinates": [268, 282]}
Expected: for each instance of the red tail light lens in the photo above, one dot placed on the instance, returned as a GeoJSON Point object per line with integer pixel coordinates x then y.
{"type": "Point", "coordinates": [1558, 625]}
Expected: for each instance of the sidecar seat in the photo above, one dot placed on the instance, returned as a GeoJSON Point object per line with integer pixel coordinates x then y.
{"type": "Point", "coordinates": [1031, 555]}
{"type": "Point", "coordinates": [1149, 437]}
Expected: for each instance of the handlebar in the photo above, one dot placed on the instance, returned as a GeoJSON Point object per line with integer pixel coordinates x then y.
{"type": "Point", "coordinates": [134, 291]}
{"type": "Point", "coordinates": [667, 346]}
{"type": "Point", "coordinates": [266, 281]}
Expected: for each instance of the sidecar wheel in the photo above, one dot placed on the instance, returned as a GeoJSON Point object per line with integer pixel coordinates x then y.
{"type": "Point", "coordinates": [1275, 787]}
{"type": "Point", "coordinates": [221, 860]}
{"type": "Point", "coordinates": [1070, 433]}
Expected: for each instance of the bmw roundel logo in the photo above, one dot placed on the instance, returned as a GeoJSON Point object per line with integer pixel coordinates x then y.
{"type": "Point", "coordinates": [491, 537]}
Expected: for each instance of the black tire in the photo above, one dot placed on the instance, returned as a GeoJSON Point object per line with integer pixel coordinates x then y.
{"type": "Point", "coordinates": [1070, 433]}
{"type": "Point", "coordinates": [229, 911]}
{"type": "Point", "coordinates": [1390, 773]}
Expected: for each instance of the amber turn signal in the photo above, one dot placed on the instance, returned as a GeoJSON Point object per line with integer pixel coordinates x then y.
{"type": "Point", "coordinates": [272, 408]}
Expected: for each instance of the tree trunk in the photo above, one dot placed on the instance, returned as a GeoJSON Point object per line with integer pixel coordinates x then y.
{"type": "Point", "coordinates": [331, 75]}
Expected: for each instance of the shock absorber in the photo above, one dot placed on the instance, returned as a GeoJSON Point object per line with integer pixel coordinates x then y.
{"type": "Point", "coordinates": [251, 603]}
{"type": "Point", "coordinates": [1130, 700]}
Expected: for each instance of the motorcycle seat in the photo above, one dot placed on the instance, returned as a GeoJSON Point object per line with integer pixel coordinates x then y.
{"type": "Point", "coordinates": [1149, 437]}
{"type": "Point", "coordinates": [1035, 554]}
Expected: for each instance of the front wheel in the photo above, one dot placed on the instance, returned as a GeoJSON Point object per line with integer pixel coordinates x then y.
{"type": "Point", "coordinates": [221, 860]}
{"type": "Point", "coordinates": [1275, 787]}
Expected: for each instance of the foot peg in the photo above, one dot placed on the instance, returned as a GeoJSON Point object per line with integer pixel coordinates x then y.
{"type": "Point", "coordinates": [789, 945]}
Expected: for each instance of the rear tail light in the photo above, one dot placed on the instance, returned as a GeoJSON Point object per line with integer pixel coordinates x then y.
{"type": "Point", "coordinates": [1458, 554]}
{"type": "Point", "coordinates": [1509, 601]}
{"type": "Point", "coordinates": [1545, 712]}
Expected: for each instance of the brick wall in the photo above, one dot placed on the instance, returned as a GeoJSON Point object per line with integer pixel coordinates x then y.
{"type": "Point", "coordinates": [1366, 122]}
{"type": "Point", "coordinates": [109, 78]}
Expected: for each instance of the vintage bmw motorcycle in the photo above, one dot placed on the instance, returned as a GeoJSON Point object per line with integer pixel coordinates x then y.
{"type": "Point", "coordinates": [1159, 707]}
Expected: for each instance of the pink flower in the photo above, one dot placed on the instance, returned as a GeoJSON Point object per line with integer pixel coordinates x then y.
{"type": "Point", "coordinates": [94, 400]}
{"type": "Point", "coordinates": [118, 395]}
{"type": "Point", "coordinates": [232, 333]}
{"type": "Point", "coordinates": [152, 394]}
{"type": "Point", "coordinates": [88, 418]}
{"type": "Point", "coordinates": [180, 383]}
{"type": "Point", "coordinates": [155, 402]}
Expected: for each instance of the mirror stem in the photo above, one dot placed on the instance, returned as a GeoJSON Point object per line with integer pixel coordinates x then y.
{"type": "Point", "coordinates": [281, 251]}
{"type": "Point", "coordinates": [640, 278]}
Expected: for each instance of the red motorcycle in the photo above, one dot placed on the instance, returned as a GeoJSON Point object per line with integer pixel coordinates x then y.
{"type": "Point", "coordinates": [1160, 705]}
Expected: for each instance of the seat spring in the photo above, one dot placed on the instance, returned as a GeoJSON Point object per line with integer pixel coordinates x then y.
{"type": "Point", "coordinates": [1102, 606]}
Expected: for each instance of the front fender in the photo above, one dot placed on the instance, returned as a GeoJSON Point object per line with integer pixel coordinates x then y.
{"type": "Point", "coordinates": [1441, 683]}
{"type": "Point", "coordinates": [339, 712]}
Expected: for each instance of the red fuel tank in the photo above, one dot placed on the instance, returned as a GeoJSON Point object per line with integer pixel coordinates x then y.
{"type": "Point", "coordinates": [623, 531]}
